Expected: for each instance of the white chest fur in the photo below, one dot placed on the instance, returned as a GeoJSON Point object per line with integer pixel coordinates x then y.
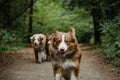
{"type": "Point", "coordinates": [65, 64]}
{"type": "Point", "coordinates": [68, 63]}
{"type": "Point", "coordinates": [41, 56]}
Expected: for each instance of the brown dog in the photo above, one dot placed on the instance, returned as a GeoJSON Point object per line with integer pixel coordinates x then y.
{"type": "Point", "coordinates": [39, 46]}
{"type": "Point", "coordinates": [65, 54]}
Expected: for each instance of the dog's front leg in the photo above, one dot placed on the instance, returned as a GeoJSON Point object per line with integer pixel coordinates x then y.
{"type": "Point", "coordinates": [73, 77]}
{"type": "Point", "coordinates": [36, 56]}
{"type": "Point", "coordinates": [74, 74]}
{"type": "Point", "coordinates": [44, 56]}
{"type": "Point", "coordinates": [39, 57]}
{"type": "Point", "coordinates": [58, 73]}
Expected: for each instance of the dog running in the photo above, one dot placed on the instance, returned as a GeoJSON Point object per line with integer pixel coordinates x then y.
{"type": "Point", "coordinates": [65, 55]}
{"type": "Point", "coordinates": [39, 47]}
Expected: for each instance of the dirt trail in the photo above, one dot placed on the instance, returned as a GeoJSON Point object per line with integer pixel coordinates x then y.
{"type": "Point", "coordinates": [24, 68]}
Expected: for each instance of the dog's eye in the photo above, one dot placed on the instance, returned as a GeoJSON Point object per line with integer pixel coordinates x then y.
{"type": "Point", "coordinates": [73, 40]}
{"type": "Point", "coordinates": [58, 41]}
{"type": "Point", "coordinates": [54, 40]}
{"type": "Point", "coordinates": [41, 39]}
{"type": "Point", "coordinates": [38, 39]}
{"type": "Point", "coordinates": [66, 41]}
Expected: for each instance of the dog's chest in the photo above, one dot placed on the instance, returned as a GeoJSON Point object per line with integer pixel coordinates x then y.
{"type": "Point", "coordinates": [68, 63]}
{"type": "Point", "coordinates": [64, 63]}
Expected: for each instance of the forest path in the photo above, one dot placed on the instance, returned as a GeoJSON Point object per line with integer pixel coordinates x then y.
{"type": "Point", "coordinates": [24, 67]}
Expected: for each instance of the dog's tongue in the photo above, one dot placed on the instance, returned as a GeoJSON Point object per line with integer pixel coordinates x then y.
{"type": "Point", "coordinates": [35, 46]}
{"type": "Point", "coordinates": [60, 54]}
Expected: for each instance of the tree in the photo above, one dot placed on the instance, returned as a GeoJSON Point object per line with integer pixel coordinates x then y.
{"type": "Point", "coordinates": [97, 16]}
{"type": "Point", "coordinates": [11, 10]}
{"type": "Point", "coordinates": [101, 10]}
{"type": "Point", "coordinates": [93, 7]}
{"type": "Point", "coordinates": [30, 16]}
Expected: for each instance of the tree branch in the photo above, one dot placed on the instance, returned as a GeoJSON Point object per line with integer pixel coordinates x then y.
{"type": "Point", "coordinates": [22, 12]}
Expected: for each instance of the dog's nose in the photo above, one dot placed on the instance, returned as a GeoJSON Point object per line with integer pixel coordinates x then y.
{"type": "Point", "coordinates": [35, 44]}
{"type": "Point", "coordinates": [62, 49]}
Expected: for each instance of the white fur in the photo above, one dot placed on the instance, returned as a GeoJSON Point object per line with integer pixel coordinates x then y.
{"type": "Point", "coordinates": [68, 63]}
{"type": "Point", "coordinates": [58, 77]}
{"type": "Point", "coordinates": [73, 77]}
{"type": "Point", "coordinates": [62, 45]}
{"type": "Point", "coordinates": [41, 56]}
{"type": "Point", "coordinates": [36, 41]}
{"type": "Point", "coordinates": [49, 42]}
{"type": "Point", "coordinates": [37, 36]}
{"type": "Point", "coordinates": [42, 53]}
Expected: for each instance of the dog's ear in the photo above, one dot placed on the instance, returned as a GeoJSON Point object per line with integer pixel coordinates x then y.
{"type": "Point", "coordinates": [55, 30]}
{"type": "Point", "coordinates": [73, 40]}
{"type": "Point", "coordinates": [72, 31]}
{"type": "Point", "coordinates": [31, 37]}
{"type": "Point", "coordinates": [73, 36]}
{"type": "Point", "coordinates": [48, 38]}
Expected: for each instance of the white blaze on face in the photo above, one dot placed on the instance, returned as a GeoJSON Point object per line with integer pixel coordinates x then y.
{"type": "Point", "coordinates": [62, 46]}
{"type": "Point", "coordinates": [36, 42]}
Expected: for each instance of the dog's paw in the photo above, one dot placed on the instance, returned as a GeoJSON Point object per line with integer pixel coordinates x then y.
{"type": "Point", "coordinates": [37, 62]}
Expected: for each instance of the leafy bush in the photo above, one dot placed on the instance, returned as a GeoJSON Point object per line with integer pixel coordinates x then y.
{"type": "Point", "coordinates": [9, 41]}
{"type": "Point", "coordinates": [111, 40]}
{"type": "Point", "coordinates": [14, 37]}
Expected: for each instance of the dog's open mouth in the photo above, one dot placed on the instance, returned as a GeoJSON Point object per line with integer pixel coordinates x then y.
{"type": "Point", "coordinates": [36, 47]}
{"type": "Point", "coordinates": [60, 54]}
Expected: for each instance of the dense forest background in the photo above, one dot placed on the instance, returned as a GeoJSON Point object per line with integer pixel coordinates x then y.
{"type": "Point", "coordinates": [95, 21]}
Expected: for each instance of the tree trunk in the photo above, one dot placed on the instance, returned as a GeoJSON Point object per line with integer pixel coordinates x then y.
{"type": "Point", "coordinates": [30, 17]}
{"type": "Point", "coordinates": [30, 20]}
{"type": "Point", "coordinates": [97, 15]}
{"type": "Point", "coordinates": [96, 23]}
{"type": "Point", "coordinates": [6, 13]}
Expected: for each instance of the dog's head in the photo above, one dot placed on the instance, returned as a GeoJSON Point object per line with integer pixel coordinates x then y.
{"type": "Point", "coordinates": [64, 43]}
{"type": "Point", "coordinates": [38, 40]}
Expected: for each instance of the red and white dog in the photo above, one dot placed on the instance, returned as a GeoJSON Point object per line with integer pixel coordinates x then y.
{"type": "Point", "coordinates": [66, 55]}
{"type": "Point", "coordinates": [39, 46]}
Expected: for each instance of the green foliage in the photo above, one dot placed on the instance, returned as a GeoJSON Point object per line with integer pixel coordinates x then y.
{"type": "Point", "coordinates": [111, 40]}
{"type": "Point", "coordinates": [9, 41]}
{"type": "Point", "coordinates": [48, 15]}
{"type": "Point", "coordinates": [10, 11]}
{"type": "Point", "coordinates": [13, 24]}
{"type": "Point", "coordinates": [103, 11]}
{"type": "Point", "coordinates": [14, 38]}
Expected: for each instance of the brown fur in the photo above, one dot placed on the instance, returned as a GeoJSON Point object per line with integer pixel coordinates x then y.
{"type": "Point", "coordinates": [47, 47]}
{"type": "Point", "coordinates": [73, 53]}
{"type": "Point", "coordinates": [40, 47]}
